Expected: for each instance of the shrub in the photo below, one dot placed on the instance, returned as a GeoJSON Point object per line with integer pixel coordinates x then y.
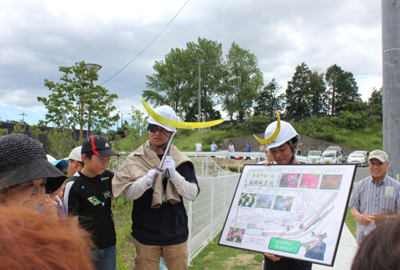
{"type": "Point", "coordinates": [350, 120]}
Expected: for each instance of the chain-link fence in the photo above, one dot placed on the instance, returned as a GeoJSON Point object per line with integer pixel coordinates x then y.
{"type": "Point", "coordinates": [208, 212]}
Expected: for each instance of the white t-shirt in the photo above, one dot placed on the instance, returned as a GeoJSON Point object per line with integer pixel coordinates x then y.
{"type": "Point", "coordinates": [198, 147]}
{"type": "Point", "coordinates": [231, 148]}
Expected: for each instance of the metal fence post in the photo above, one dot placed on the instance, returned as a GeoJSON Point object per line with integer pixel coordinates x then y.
{"type": "Point", "coordinates": [206, 168]}
{"type": "Point", "coordinates": [212, 208]}
{"type": "Point", "coordinates": [190, 219]}
{"type": "Point", "coordinates": [202, 166]}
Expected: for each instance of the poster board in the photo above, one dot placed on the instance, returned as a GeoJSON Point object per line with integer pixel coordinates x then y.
{"type": "Point", "coordinates": [294, 211]}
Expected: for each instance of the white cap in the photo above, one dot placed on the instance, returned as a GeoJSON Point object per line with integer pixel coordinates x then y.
{"type": "Point", "coordinates": [76, 154]}
{"type": "Point", "coordinates": [286, 133]}
{"type": "Point", "coordinates": [167, 112]}
{"type": "Point", "coordinates": [50, 158]}
{"type": "Point", "coordinates": [379, 154]}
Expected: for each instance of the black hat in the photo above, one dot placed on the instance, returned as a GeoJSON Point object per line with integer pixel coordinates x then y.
{"type": "Point", "coordinates": [23, 159]}
{"type": "Point", "coordinates": [99, 146]}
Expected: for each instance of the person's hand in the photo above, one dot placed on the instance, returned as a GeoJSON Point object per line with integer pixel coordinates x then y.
{"type": "Point", "coordinates": [169, 164]}
{"type": "Point", "coordinates": [379, 217]}
{"type": "Point", "coordinates": [272, 257]}
{"type": "Point", "coordinates": [364, 219]}
{"type": "Point", "coordinates": [267, 162]}
{"type": "Point", "coordinates": [151, 176]}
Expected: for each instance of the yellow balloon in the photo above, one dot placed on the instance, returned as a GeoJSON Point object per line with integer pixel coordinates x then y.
{"type": "Point", "coordinates": [176, 124]}
{"type": "Point", "coordinates": [274, 135]}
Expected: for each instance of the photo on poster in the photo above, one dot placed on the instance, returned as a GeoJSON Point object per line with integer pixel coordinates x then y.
{"type": "Point", "coordinates": [294, 211]}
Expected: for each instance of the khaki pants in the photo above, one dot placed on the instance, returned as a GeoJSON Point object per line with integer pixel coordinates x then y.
{"type": "Point", "coordinates": [148, 257]}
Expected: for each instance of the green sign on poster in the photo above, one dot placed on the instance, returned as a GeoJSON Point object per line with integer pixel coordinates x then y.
{"type": "Point", "coordinates": [284, 245]}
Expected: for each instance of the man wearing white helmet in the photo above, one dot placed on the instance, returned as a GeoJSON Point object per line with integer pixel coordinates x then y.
{"type": "Point", "coordinates": [281, 140]}
{"type": "Point", "coordinates": [159, 220]}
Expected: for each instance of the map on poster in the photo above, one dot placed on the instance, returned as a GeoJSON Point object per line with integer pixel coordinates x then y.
{"type": "Point", "coordinates": [292, 211]}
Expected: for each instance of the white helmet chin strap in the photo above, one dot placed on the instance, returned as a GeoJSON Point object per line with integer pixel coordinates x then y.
{"type": "Point", "coordinates": [294, 150]}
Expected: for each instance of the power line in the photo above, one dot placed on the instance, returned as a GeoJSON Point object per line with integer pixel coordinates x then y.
{"type": "Point", "coordinates": [223, 22]}
{"type": "Point", "coordinates": [148, 45]}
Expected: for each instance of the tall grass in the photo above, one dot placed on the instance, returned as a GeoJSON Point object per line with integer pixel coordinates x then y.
{"type": "Point", "coordinates": [186, 141]}
{"type": "Point", "coordinates": [125, 247]}
{"type": "Point", "coordinates": [367, 137]}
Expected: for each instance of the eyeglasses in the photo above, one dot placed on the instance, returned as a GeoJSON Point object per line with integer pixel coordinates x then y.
{"type": "Point", "coordinates": [154, 128]}
{"type": "Point", "coordinates": [376, 164]}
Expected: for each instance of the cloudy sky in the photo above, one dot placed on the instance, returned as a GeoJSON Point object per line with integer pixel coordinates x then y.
{"type": "Point", "coordinates": [39, 36]}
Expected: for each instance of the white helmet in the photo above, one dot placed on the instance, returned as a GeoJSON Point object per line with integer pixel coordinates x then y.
{"type": "Point", "coordinates": [286, 133]}
{"type": "Point", "coordinates": [167, 112]}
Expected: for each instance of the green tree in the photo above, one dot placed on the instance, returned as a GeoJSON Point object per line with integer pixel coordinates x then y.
{"type": "Point", "coordinates": [317, 94]}
{"type": "Point", "coordinates": [77, 101]}
{"type": "Point", "coordinates": [175, 81]}
{"type": "Point", "coordinates": [3, 131]}
{"type": "Point", "coordinates": [138, 126]}
{"type": "Point", "coordinates": [35, 132]}
{"type": "Point", "coordinates": [168, 86]}
{"type": "Point", "coordinates": [59, 144]}
{"type": "Point", "coordinates": [342, 88]}
{"type": "Point", "coordinates": [19, 128]}
{"type": "Point", "coordinates": [269, 101]}
{"type": "Point", "coordinates": [297, 92]}
{"type": "Point", "coordinates": [135, 133]}
{"type": "Point", "coordinates": [242, 81]}
{"type": "Point", "coordinates": [375, 101]}
{"type": "Point", "coordinates": [208, 58]}
{"type": "Point", "coordinates": [357, 106]}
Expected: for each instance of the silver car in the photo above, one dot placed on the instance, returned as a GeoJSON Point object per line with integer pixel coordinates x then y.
{"type": "Point", "coordinates": [330, 157]}
{"type": "Point", "coordinates": [314, 157]}
{"type": "Point", "coordinates": [357, 158]}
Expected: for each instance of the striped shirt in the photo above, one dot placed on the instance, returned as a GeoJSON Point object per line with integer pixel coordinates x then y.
{"type": "Point", "coordinates": [369, 197]}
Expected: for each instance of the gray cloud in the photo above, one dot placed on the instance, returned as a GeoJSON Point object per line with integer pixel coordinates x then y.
{"type": "Point", "coordinates": [35, 40]}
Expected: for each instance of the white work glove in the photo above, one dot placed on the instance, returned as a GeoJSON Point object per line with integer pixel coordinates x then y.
{"type": "Point", "coordinates": [169, 164]}
{"type": "Point", "coordinates": [151, 176]}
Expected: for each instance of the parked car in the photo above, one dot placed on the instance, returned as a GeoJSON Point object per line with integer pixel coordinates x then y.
{"type": "Point", "coordinates": [339, 150]}
{"type": "Point", "coordinates": [357, 158]}
{"type": "Point", "coordinates": [330, 157]}
{"type": "Point", "coordinates": [314, 157]}
{"type": "Point", "coordinates": [365, 153]}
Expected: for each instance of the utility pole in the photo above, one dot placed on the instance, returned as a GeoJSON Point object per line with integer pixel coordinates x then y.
{"type": "Point", "coordinates": [391, 82]}
{"type": "Point", "coordinates": [118, 119]}
{"type": "Point", "coordinates": [333, 96]}
{"type": "Point", "coordinates": [23, 114]}
{"type": "Point", "coordinates": [200, 61]}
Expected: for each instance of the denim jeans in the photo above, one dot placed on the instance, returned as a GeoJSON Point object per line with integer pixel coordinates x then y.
{"type": "Point", "coordinates": [105, 259]}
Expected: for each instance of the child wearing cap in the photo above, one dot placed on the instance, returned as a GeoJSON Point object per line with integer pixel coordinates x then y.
{"type": "Point", "coordinates": [88, 196]}
{"type": "Point", "coordinates": [75, 163]}
{"type": "Point", "coordinates": [25, 173]}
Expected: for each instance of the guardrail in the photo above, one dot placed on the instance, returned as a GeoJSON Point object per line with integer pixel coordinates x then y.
{"type": "Point", "coordinates": [225, 154]}
{"type": "Point", "coordinates": [259, 156]}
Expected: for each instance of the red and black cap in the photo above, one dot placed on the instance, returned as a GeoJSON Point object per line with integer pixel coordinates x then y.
{"type": "Point", "coordinates": [99, 146]}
